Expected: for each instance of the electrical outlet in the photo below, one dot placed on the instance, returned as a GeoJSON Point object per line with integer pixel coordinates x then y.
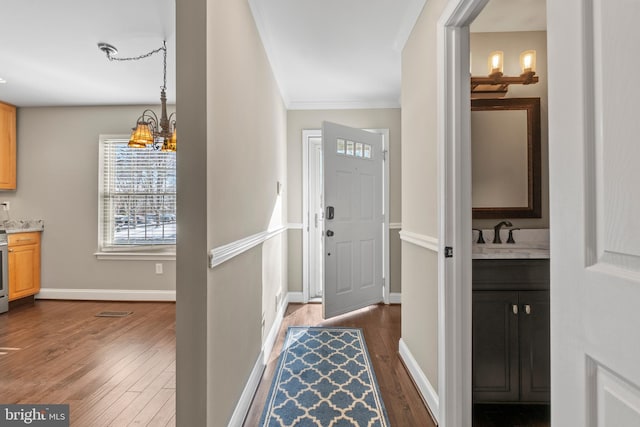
{"type": "Point", "coordinates": [5, 205]}
{"type": "Point", "coordinates": [159, 268]}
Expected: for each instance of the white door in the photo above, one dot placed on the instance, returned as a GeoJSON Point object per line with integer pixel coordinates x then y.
{"type": "Point", "coordinates": [594, 153]}
{"type": "Point", "coordinates": [354, 219]}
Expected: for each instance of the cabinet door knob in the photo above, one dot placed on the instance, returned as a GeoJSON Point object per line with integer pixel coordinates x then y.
{"type": "Point", "coordinates": [10, 250]}
{"type": "Point", "coordinates": [514, 308]}
{"type": "Point", "coordinates": [527, 308]}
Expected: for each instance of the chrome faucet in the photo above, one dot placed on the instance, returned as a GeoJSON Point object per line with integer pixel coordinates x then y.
{"type": "Point", "coordinates": [496, 230]}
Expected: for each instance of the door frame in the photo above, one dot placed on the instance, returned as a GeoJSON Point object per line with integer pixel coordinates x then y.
{"type": "Point", "coordinates": [454, 223]}
{"type": "Point", "coordinates": [309, 133]}
{"type": "Point", "coordinates": [308, 274]}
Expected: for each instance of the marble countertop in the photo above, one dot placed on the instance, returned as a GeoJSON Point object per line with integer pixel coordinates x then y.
{"type": "Point", "coordinates": [22, 225]}
{"type": "Point", "coordinates": [509, 251]}
{"type": "Point", "coordinates": [530, 244]}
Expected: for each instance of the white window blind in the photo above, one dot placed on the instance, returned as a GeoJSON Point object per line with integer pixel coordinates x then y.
{"type": "Point", "coordinates": [138, 196]}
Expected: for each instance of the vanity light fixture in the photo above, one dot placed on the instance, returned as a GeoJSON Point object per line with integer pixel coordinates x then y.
{"type": "Point", "coordinates": [496, 84]}
{"type": "Point", "coordinates": [160, 133]}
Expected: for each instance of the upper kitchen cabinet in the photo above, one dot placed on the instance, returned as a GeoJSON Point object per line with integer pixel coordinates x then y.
{"type": "Point", "coordinates": [7, 147]}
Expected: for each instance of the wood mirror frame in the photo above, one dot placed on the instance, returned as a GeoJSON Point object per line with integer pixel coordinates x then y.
{"type": "Point", "coordinates": [533, 208]}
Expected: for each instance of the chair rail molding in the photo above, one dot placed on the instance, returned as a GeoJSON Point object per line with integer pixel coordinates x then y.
{"type": "Point", "coordinates": [224, 253]}
{"type": "Point", "coordinates": [422, 240]}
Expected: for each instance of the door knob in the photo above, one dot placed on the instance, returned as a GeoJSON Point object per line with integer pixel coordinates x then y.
{"type": "Point", "coordinates": [329, 233]}
{"type": "Point", "coordinates": [514, 308]}
{"type": "Point", "coordinates": [527, 308]}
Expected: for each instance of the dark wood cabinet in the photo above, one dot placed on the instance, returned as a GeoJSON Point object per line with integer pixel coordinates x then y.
{"type": "Point", "coordinates": [495, 346]}
{"type": "Point", "coordinates": [535, 349]}
{"type": "Point", "coordinates": [511, 350]}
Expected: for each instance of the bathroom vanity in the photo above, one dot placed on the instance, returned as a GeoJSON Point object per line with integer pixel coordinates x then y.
{"type": "Point", "coordinates": [511, 319]}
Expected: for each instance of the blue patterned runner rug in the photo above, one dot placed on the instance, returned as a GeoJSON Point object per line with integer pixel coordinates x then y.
{"type": "Point", "coordinates": [324, 378]}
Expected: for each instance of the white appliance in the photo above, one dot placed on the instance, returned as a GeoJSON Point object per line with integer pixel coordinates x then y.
{"type": "Point", "coordinates": [4, 277]}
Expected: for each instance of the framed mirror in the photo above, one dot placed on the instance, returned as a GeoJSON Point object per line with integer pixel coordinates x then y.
{"type": "Point", "coordinates": [505, 147]}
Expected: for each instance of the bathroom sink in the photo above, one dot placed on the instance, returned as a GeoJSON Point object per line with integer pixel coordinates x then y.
{"type": "Point", "coordinates": [530, 243]}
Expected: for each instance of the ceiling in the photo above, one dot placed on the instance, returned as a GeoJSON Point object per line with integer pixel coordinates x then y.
{"type": "Point", "coordinates": [327, 54]}
{"type": "Point", "coordinates": [336, 53]}
{"type": "Point", "coordinates": [49, 54]}
{"type": "Point", "coordinates": [511, 15]}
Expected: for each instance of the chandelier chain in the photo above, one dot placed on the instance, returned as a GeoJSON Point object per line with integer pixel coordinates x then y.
{"type": "Point", "coordinates": [163, 48]}
{"type": "Point", "coordinates": [150, 130]}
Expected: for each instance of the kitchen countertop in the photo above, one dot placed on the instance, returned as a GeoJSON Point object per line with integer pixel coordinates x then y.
{"type": "Point", "coordinates": [22, 226]}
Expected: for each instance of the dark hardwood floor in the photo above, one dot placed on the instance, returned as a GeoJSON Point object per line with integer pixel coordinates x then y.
{"type": "Point", "coordinates": [381, 326]}
{"type": "Point", "coordinates": [111, 371]}
{"type": "Point", "coordinates": [121, 371]}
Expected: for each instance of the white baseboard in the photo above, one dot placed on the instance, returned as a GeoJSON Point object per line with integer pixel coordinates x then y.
{"type": "Point", "coordinates": [270, 340]}
{"type": "Point", "coordinates": [250, 388]}
{"type": "Point", "coordinates": [106, 294]}
{"type": "Point", "coordinates": [295, 298]}
{"type": "Point", "coordinates": [240, 413]}
{"type": "Point", "coordinates": [429, 394]}
{"type": "Point", "coordinates": [395, 298]}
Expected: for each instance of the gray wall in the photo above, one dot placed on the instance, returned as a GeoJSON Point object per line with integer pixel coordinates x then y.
{"type": "Point", "coordinates": [512, 44]}
{"type": "Point", "coordinates": [299, 120]}
{"type": "Point", "coordinates": [58, 182]}
{"type": "Point", "coordinates": [193, 348]}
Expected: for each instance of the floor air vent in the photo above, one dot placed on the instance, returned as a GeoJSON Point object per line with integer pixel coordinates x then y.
{"type": "Point", "coordinates": [114, 313]}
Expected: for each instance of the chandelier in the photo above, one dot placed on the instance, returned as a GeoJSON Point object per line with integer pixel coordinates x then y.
{"type": "Point", "coordinates": [160, 134]}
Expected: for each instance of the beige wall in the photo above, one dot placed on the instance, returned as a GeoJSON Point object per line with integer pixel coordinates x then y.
{"type": "Point", "coordinates": [236, 157]}
{"type": "Point", "coordinates": [420, 307]}
{"type": "Point", "coordinates": [512, 44]}
{"type": "Point", "coordinates": [419, 190]}
{"type": "Point", "coordinates": [299, 120]}
{"type": "Point", "coordinates": [58, 182]}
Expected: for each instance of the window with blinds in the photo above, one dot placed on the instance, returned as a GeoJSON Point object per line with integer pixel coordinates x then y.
{"type": "Point", "coordinates": [138, 196]}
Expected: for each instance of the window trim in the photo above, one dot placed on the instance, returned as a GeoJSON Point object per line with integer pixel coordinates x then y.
{"type": "Point", "coordinates": [136, 256]}
{"type": "Point", "coordinates": [165, 252]}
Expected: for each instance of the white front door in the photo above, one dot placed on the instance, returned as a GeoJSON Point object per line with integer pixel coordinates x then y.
{"type": "Point", "coordinates": [594, 153]}
{"type": "Point", "coordinates": [354, 219]}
